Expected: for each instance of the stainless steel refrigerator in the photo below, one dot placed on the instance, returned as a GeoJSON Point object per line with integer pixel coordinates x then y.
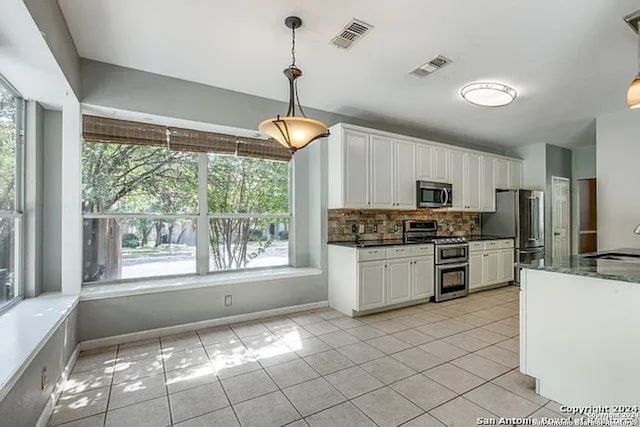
{"type": "Point", "coordinates": [519, 215]}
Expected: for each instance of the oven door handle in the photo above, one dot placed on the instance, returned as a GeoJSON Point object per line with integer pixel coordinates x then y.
{"type": "Point", "coordinates": [446, 198]}
{"type": "Point", "coordinates": [450, 266]}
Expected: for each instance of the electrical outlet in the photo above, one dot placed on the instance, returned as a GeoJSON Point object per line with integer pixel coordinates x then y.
{"type": "Point", "coordinates": [395, 228]}
{"type": "Point", "coordinates": [228, 300]}
{"type": "Point", "coordinates": [375, 228]}
{"type": "Point", "coordinates": [44, 379]}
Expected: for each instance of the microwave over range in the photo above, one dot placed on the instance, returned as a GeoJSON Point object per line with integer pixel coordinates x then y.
{"type": "Point", "coordinates": [434, 195]}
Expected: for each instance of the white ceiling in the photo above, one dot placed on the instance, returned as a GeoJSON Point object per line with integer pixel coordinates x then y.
{"type": "Point", "coordinates": [569, 60]}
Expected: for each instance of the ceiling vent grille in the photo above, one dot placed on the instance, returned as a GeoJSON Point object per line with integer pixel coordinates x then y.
{"type": "Point", "coordinates": [432, 66]}
{"type": "Point", "coordinates": [351, 34]}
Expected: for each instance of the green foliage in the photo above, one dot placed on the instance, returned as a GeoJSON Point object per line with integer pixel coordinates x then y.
{"type": "Point", "coordinates": [137, 179]}
{"type": "Point", "coordinates": [8, 109]}
{"type": "Point", "coordinates": [130, 240]}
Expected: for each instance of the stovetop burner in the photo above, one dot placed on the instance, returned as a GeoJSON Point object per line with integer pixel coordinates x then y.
{"type": "Point", "coordinates": [427, 232]}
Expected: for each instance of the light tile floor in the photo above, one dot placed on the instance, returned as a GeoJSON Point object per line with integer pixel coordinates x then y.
{"type": "Point", "coordinates": [426, 365]}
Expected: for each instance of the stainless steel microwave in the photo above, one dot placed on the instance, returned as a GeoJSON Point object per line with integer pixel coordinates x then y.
{"type": "Point", "coordinates": [434, 195]}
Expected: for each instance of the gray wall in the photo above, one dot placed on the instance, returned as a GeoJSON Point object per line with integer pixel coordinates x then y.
{"type": "Point", "coordinates": [558, 164]}
{"type": "Point", "coordinates": [26, 400]}
{"type": "Point", "coordinates": [53, 199]}
{"type": "Point", "coordinates": [111, 86]}
{"type": "Point", "coordinates": [583, 165]}
{"type": "Point", "coordinates": [535, 165]}
{"type": "Point", "coordinates": [50, 21]}
{"type": "Point", "coordinates": [618, 174]}
{"type": "Point", "coordinates": [116, 316]}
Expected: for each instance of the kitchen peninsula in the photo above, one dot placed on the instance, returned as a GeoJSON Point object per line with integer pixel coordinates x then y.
{"type": "Point", "coordinates": [575, 313]}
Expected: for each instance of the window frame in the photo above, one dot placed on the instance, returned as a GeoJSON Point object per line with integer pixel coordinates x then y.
{"type": "Point", "coordinates": [17, 214]}
{"type": "Point", "coordinates": [202, 217]}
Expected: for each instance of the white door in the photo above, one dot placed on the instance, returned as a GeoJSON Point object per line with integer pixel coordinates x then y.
{"type": "Point", "coordinates": [491, 267]}
{"type": "Point", "coordinates": [423, 162]}
{"type": "Point", "coordinates": [405, 175]}
{"type": "Point", "coordinates": [473, 183]}
{"type": "Point", "coordinates": [488, 193]}
{"type": "Point", "coordinates": [356, 169]}
{"type": "Point", "coordinates": [371, 289]}
{"type": "Point", "coordinates": [398, 281]}
{"type": "Point", "coordinates": [456, 172]}
{"type": "Point", "coordinates": [506, 266]}
{"type": "Point", "coordinates": [476, 264]}
{"type": "Point", "coordinates": [502, 173]}
{"type": "Point", "coordinates": [560, 208]}
{"type": "Point", "coordinates": [422, 277]}
{"type": "Point", "coordinates": [381, 172]}
{"type": "Point", "coordinates": [515, 175]}
{"type": "Point", "coordinates": [439, 164]}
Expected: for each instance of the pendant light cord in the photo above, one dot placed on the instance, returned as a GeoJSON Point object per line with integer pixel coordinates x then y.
{"type": "Point", "coordinates": [293, 45]}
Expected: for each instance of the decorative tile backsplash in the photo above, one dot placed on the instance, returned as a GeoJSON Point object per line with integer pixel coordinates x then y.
{"type": "Point", "coordinates": [387, 224]}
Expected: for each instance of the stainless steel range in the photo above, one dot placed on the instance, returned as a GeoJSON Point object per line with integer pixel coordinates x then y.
{"type": "Point", "coordinates": [451, 258]}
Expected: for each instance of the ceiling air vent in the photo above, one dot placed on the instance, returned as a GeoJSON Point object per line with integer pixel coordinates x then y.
{"type": "Point", "coordinates": [351, 33]}
{"type": "Point", "coordinates": [429, 67]}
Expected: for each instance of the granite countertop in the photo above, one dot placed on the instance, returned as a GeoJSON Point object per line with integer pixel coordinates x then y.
{"type": "Point", "coordinates": [396, 242]}
{"type": "Point", "coordinates": [613, 268]}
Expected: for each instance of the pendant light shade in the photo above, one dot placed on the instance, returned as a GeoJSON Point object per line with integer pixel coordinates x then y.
{"type": "Point", "coordinates": [633, 94]}
{"type": "Point", "coordinates": [293, 132]}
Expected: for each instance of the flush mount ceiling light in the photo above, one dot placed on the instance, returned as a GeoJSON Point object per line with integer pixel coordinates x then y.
{"type": "Point", "coordinates": [633, 93]}
{"type": "Point", "coordinates": [292, 131]}
{"type": "Point", "coordinates": [487, 94]}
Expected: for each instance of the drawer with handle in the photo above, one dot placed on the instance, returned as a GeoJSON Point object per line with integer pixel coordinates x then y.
{"type": "Point", "coordinates": [506, 243]}
{"type": "Point", "coordinates": [491, 244]}
{"type": "Point", "coordinates": [476, 246]}
{"type": "Point", "coordinates": [398, 252]}
{"type": "Point", "coordinates": [422, 250]}
{"type": "Point", "coordinates": [371, 254]}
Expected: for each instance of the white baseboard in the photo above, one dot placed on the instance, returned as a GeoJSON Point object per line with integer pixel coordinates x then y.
{"type": "Point", "coordinates": [47, 411]}
{"type": "Point", "coordinates": [188, 327]}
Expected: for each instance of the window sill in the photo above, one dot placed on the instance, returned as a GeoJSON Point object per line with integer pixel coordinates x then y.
{"type": "Point", "coordinates": [152, 286]}
{"type": "Point", "coordinates": [25, 330]}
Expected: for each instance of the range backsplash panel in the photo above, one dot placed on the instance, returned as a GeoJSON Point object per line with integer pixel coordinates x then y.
{"type": "Point", "coordinates": [387, 224]}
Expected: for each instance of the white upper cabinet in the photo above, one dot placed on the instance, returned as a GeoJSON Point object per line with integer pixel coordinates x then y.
{"type": "Point", "coordinates": [464, 171]}
{"type": "Point", "coordinates": [488, 193]}
{"type": "Point", "coordinates": [405, 175]}
{"type": "Point", "coordinates": [515, 174]}
{"type": "Point", "coordinates": [473, 186]}
{"type": "Point", "coordinates": [349, 169]}
{"type": "Point", "coordinates": [456, 175]}
{"type": "Point", "coordinates": [432, 163]}
{"type": "Point", "coordinates": [382, 172]}
{"type": "Point", "coordinates": [379, 170]}
{"type": "Point", "coordinates": [508, 174]}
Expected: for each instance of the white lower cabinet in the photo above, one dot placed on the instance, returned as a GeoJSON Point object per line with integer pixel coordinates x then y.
{"type": "Point", "coordinates": [372, 284]}
{"type": "Point", "coordinates": [476, 270]}
{"type": "Point", "coordinates": [399, 280]}
{"type": "Point", "coordinates": [506, 265]}
{"type": "Point", "coordinates": [422, 277]}
{"type": "Point", "coordinates": [489, 266]}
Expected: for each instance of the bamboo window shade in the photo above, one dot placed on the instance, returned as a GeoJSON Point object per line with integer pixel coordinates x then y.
{"type": "Point", "coordinates": [114, 131]}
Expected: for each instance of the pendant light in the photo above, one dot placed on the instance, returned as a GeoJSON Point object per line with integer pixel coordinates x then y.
{"type": "Point", "coordinates": [294, 132]}
{"type": "Point", "coordinates": [633, 93]}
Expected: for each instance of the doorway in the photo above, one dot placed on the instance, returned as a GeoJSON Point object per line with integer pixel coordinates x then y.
{"type": "Point", "coordinates": [560, 216]}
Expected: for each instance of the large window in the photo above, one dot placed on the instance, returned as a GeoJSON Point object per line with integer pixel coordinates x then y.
{"type": "Point", "coordinates": [11, 141]}
{"type": "Point", "coordinates": [184, 205]}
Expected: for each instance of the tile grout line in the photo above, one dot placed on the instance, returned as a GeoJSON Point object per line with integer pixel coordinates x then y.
{"type": "Point", "coordinates": [166, 386]}
{"type": "Point", "coordinates": [218, 379]}
{"type": "Point", "coordinates": [274, 332]}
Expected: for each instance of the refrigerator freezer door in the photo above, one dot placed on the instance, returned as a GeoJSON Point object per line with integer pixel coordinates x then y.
{"type": "Point", "coordinates": [531, 212]}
